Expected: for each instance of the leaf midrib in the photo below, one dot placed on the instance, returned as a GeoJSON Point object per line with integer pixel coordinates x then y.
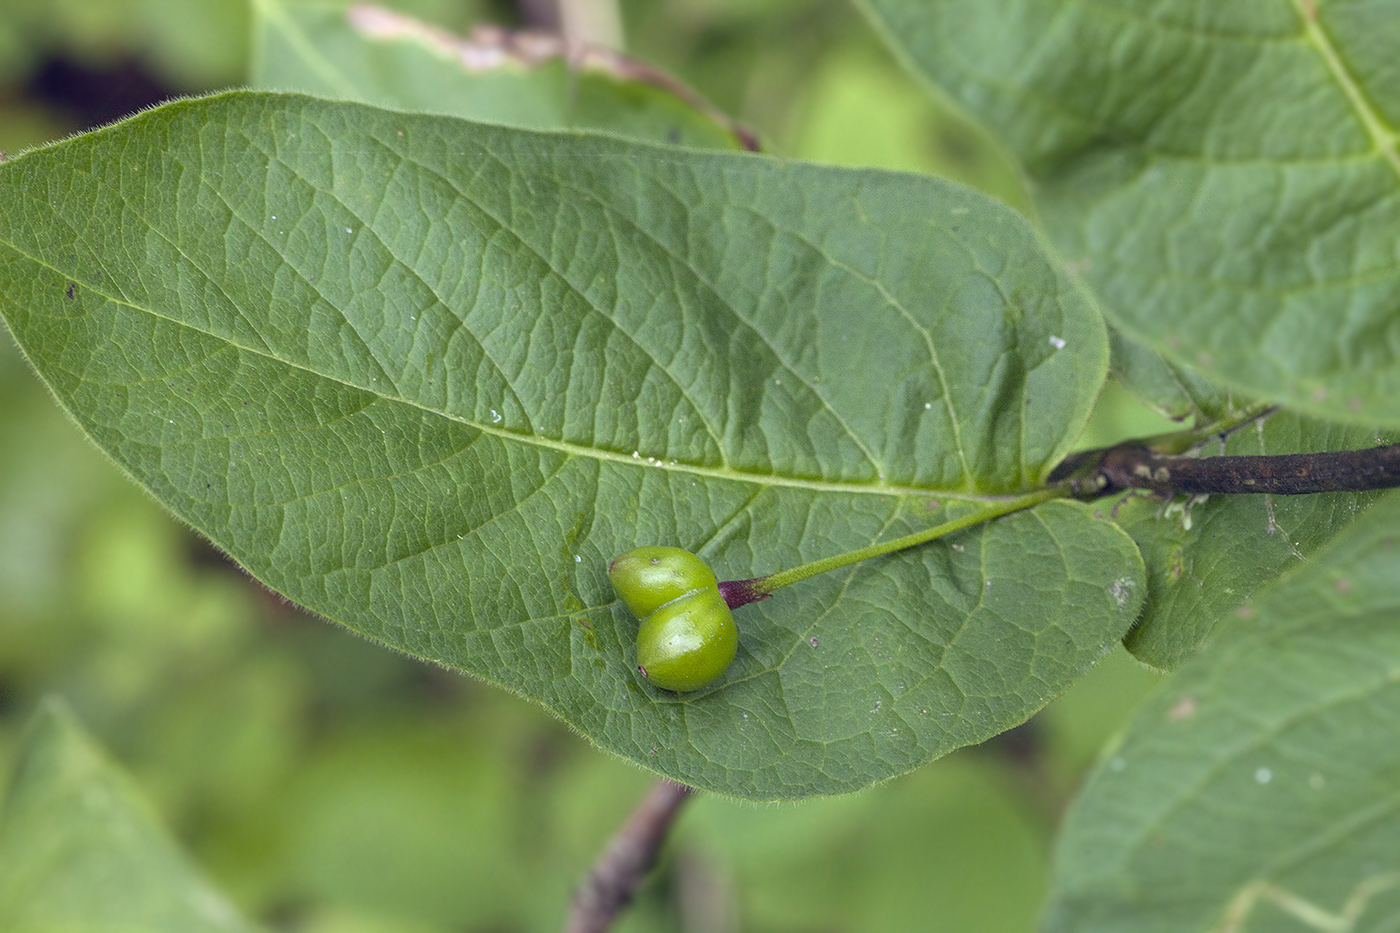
{"type": "Point", "coordinates": [875, 488]}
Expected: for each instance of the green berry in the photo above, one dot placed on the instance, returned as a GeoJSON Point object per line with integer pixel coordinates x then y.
{"type": "Point", "coordinates": [687, 638]}
{"type": "Point", "coordinates": [687, 643]}
{"type": "Point", "coordinates": [648, 577]}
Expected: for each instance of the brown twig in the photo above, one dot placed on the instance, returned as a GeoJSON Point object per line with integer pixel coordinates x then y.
{"type": "Point", "coordinates": [629, 856]}
{"type": "Point", "coordinates": [1134, 466]}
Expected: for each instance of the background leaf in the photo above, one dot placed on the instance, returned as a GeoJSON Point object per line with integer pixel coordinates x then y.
{"type": "Point", "coordinates": [1208, 560]}
{"type": "Point", "coordinates": [1257, 791]}
{"type": "Point", "coordinates": [192, 44]}
{"type": "Point", "coordinates": [378, 56]}
{"type": "Point", "coordinates": [1174, 390]}
{"type": "Point", "coordinates": [1225, 176]}
{"type": "Point", "coordinates": [427, 378]}
{"type": "Point", "coordinates": [81, 850]}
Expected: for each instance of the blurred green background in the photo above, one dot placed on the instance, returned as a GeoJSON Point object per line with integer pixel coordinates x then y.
{"type": "Point", "coordinates": [328, 784]}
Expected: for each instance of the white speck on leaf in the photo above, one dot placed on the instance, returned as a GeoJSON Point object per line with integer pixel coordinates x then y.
{"type": "Point", "coordinates": [495, 416]}
{"type": "Point", "coordinates": [578, 559]}
{"type": "Point", "coordinates": [1121, 589]}
{"type": "Point", "coordinates": [927, 405]}
{"type": "Point", "coordinates": [1057, 342]}
{"type": "Point", "coordinates": [1263, 775]}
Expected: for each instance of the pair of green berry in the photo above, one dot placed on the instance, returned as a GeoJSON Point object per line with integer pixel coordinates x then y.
{"type": "Point", "coordinates": [687, 637]}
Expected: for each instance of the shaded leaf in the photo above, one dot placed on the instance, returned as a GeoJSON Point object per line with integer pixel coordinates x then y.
{"type": "Point", "coordinates": [1257, 791]}
{"type": "Point", "coordinates": [1206, 559]}
{"type": "Point", "coordinates": [1225, 176]}
{"type": "Point", "coordinates": [1174, 390]}
{"type": "Point", "coordinates": [81, 850]}
{"type": "Point", "coordinates": [378, 56]}
{"type": "Point", "coordinates": [428, 377]}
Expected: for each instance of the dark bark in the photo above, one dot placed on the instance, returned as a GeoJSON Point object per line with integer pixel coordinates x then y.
{"type": "Point", "coordinates": [1133, 466]}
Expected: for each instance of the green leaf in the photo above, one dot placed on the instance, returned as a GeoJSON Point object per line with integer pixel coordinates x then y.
{"type": "Point", "coordinates": [80, 848]}
{"type": "Point", "coordinates": [1225, 176]}
{"type": "Point", "coordinates": [377, 56]}
{"type": "Point", "coordinates": [1257, 791]}
{"type": "Point", "coordinates": [428, 378]}
{"type": "Point", "coordinates": [1174, 390]}
{"type": "Point", "coordinates": [1206, 559]}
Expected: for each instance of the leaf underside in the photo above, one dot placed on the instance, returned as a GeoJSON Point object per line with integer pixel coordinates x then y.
{"type": "Point", "coordinates": [427, 377]}
{"type": "Point", "coordinates": [1257, 791]}
{"type": "Point", "coordinates": [1226, 177]}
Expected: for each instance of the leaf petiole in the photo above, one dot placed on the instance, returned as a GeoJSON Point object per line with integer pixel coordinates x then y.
{"type": "Point", "coordinates": [738, 592]}
{"type": "Point", "coordinates": [1179, 442]}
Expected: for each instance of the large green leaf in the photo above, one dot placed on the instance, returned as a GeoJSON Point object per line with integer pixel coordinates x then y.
{"type": "Point", "coordinates": [1206, 559]}
{"type": "Point", "coordinates": [80, 849]}
{"type": "Point", "coordinates": [1257, 792]}
{"type": "Point", "coordinates": [378, 56]}
{"type": "Point", "coordinates": [428, 377]}
{"type": "Point", "coordinates": [1225, 175]}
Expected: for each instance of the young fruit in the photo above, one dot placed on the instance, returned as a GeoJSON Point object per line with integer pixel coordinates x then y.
{"type": "Point", "coordinates": [647, 577]}
{"type": "Point", "coordinates": [687, 638]}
